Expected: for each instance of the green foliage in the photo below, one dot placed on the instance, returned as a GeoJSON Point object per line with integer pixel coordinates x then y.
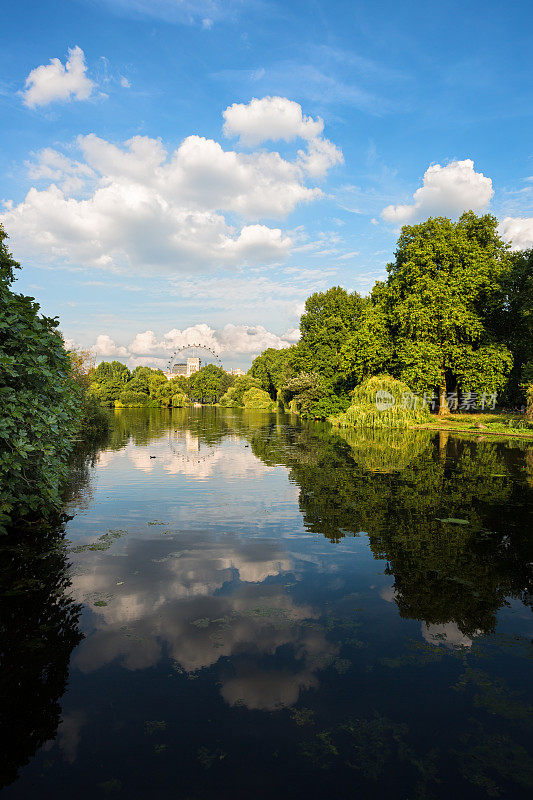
{"type": "Point", "coordinates": [529, 400]}
{"type": "Point", "coordinates": [513, 322]}
{"type": "Point", "coordinates": [40, 405]}
{"type": "Point", "coordinates": [112, 369]}
{"type": "Point", "coordinates": [130, 397]}
{"type": "Point", "coordinates": [180, 400]}
{"type": "Point", "coordinates": [383, 402]}
{"type": "Point", "coordinates": [439, 297]}
{"type": "Point", "coordinates": [328, 320]}
{"type": "Point", "coordinates": [234, 396]}
{"type": "Point", "coordinates": [270, 369]}
{"type": "Point", "coordinates": [369, 349]}
{"type": "Point", "coordinates": [258, 399]}
{"type": "Point", "coordinates": [307, 394]}
{"type": "Point", "coordinates": [209, 384]}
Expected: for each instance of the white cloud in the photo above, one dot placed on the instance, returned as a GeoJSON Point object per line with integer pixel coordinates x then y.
{"type": "Point", "coordinates": [144, 343]}
{"type": "Point", "coordinates": [249, 339]}
{"type": "Point", "coordinates": [447, 191]}
{"type": "Point", "coordinates": [271, 118]}
{"type": "Point", "coordinates": [51, 82]}
{"type": "Point", "coordinates": [231, 340]}
{"type": "Point", "coordinates": [50, 165]}
{"type": "Point", "coordinates": [518, 231]}
{"type": "Point", "coordinates": [140, 208]}
{"type": "Point", "coordinates": [105, 346]}
{"type": "Point", "coordinates": [321, 155]}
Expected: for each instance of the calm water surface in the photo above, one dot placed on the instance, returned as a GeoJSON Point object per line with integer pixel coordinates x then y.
{"type": "Point", "coordinates": [251, 606]}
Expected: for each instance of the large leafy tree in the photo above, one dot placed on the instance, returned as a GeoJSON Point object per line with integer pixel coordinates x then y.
{"type": "Point", "coordinates": [329, 317]}
{"type": "Point", "coordinates": [513, 322]}
{"type": "Point", "coordinates": [369, 349]}
{"type": "Point", "coordinates": [209, 383]}
{"type": "Point", "coordinates": [440, 294]}
{"type": "Point", "coordinates": [40, 405]}
{"type": "Point", "coordinates": [270, 369]}
{"type": "Point", "coordinates": [328, 320]}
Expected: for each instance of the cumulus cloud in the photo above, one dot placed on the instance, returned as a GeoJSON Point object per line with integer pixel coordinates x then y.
{"type": "Point", "coordinates": [52, 82]}
{"type": "Point", "coordinates": [447, 190]}
{"type": "Point", "coordinates": [50, 165]}
{"type": "Point", "coordinates": [278, 118]}
{"type": "Point", "coordinates": [137, 207]}
{"type": "Point", "coordinates": [272, 118]}
{"type": "Point", "coordinates": [229, 340]}
{"type": "Point", "coordinates": [518, 231]}
{"type": "Point", "coordinates": [321, 155]}
{"type": "Point", "coordinates": [105, 346]}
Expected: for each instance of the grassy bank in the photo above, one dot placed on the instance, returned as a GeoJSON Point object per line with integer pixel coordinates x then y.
{"type": "Point", "coordinates": [498, 424]}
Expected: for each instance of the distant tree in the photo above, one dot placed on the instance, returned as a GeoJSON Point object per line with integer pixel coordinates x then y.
{"type": "Point", "coordinates": [270, 368]}
{"type": "Point", "coordinates": [209, 383]}
{"type": "Point", "coordinates": [112, 369]}
{"type": "Point", "coordinates": [255, 399]}
{"type": "Point", "coordinates": [234, 395]}
{"type": "Point", "coordinates": [439, 297]}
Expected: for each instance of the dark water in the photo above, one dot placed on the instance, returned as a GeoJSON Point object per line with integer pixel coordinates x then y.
{"type": "Point", "coordinates": [259, 607]}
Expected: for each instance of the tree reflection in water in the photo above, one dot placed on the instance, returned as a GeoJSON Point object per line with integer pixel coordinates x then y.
{"type": "Point", "coordinates": [441, 510]}
{"type": "Point", "coordinates": [38, 630]}
{"type": "Point", "coordinates": [239, 652]}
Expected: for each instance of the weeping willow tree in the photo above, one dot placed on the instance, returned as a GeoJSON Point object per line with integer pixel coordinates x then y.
{"type": "Point", "coordinates": [383, 402]}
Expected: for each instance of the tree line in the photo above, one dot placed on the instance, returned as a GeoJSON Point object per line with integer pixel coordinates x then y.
{"type": "Point", "coordinates": [453, 320]}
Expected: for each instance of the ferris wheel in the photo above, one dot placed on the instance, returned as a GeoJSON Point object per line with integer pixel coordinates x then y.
{"type": "Point", "coordinates": [192, 357]}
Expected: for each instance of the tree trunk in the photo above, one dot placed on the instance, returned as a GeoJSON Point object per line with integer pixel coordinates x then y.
{"type": "Point", "coordinates": [444, 411]}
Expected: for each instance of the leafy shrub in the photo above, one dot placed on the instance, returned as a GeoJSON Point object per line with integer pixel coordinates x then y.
{"type": "Point", "coordinates": [180, 400]}
{"type": "Point", "coordinates": [258, 399]}
{"type": "Point", "coordinates": [39, 406]}
{"type": "Point", "coordinates": [383, 402]}
{"type": "Point", "coordinates": [234, 396]}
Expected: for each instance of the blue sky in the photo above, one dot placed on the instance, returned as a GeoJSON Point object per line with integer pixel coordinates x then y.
{"type": "Point", "coordinates": [197, 169]}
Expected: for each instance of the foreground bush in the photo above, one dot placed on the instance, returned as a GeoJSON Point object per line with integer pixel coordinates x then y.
{"type": "Point", "coordinates": [382, 402]}
{"type": "Point", "coordinates": [40, 406]}
{"type": "Point", "coordinates": [258, 400]}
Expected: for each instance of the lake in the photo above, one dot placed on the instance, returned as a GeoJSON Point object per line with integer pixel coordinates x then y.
{"type": "Point", "coordinates": [249, 605]}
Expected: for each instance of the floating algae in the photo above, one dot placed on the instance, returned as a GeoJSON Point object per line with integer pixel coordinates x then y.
{"type": "Point", "coordinates": [103, 542]}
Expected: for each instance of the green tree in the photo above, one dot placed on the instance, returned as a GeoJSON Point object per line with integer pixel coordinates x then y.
{"type": "Point", "coordinates": [111, 369]}
{"type": "Point", "coordinates": [40, 405]}
{"type": "Point", "coordinates": [234, 395]}
{"type": "Point", "coordinates": [440, 294]}
{"type": "Point", "coordinates": [369, 350]}
{"type": "Point", "coordinates": [270, 369]}
{"type": "Point", "coordinates": [209, 383]}
{"type": "Point", "coordinates": [513, 322]}
{"type": "Point", "coordinates": [329, 317]}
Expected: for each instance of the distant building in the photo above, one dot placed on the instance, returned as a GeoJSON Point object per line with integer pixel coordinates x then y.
{"type": "Point", "coordinates": [193, 365]}
{"type": "Point", "coordinates": [177, 369]}
{"type": "Point", "coordinates": [185, 369]}
{"type": "Point", "coordinates": [237, 372]}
